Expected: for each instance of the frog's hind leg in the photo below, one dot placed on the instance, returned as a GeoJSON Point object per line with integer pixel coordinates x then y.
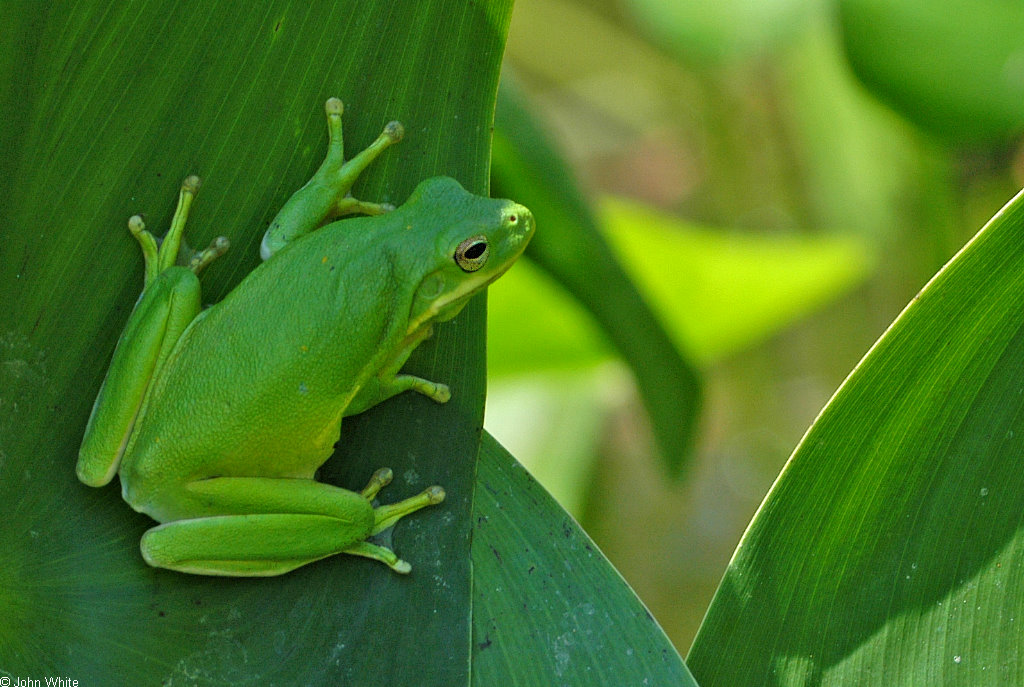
{"type": "Point", "coordinates": [258, 526]}
{"type": "Point", "coordinates": [165, 310]}
{"type": "Point", "coordinates": [326, 195]}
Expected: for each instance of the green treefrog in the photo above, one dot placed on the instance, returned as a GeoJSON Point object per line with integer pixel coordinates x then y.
{"type": "Point", "coordinates": [217, 419]}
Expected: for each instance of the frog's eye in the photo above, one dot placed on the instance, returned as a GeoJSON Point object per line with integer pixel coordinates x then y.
{"type": "Point", "coordinates": [472, 253]}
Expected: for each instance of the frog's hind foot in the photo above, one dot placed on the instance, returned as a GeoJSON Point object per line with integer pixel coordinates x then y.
{"type": "Point", "coordinates": [163, 253]}
{"type": "Point", "coordinates": [378, 481]}
{"type": "Point", "coordinates": [386, 516]}
{"type": "Point", "coordinates": [200, 259]}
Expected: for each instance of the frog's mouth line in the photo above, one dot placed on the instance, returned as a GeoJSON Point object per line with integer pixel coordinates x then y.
{"type": "Point", "coordinates": [465, 289]}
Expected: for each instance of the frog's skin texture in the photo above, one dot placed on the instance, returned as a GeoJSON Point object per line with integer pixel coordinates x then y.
{"type": "Point", "coordinates": [217, 419]}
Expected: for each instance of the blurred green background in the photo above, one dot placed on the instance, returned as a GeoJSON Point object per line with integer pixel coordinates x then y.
{"type": "Point", "coordinates": [779, 177]}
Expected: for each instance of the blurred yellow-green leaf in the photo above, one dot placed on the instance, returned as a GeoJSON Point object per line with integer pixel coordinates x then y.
{"type": "Point", "coordinates": [717, 291]}
{"type": "Point", "coordinates": [722, 291]}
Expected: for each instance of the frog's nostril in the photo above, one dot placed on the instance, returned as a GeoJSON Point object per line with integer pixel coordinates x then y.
{"type": "Point", "coordinates": [520, 219]}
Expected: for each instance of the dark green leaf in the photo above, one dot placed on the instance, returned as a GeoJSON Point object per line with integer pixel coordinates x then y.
{"type": "Point", "coordinates": [548, 607]}
{"type": "Point", "coordinates": [890, 549]}
{"type": "Point", "coordinates": [107, 106]}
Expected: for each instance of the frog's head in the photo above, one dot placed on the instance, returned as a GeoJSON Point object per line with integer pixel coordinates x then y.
{"type": "Point", "coordinates": [477, 240]}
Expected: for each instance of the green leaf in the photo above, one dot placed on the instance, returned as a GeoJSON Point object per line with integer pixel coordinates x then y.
{"type": "Point", "coordinates": [569, 247]}
{"type": "Point", "coordinates": [952, 66]}
{"type": "Point", "coordinates": [890, 549]}
{"type": "Point", "coordinates": [107, 106]}
{"type": "Point", "coordinates": [548, 607]}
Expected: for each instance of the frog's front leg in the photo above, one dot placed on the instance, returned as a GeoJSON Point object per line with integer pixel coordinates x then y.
{"type": "Point", "coordinates": [266, 526]}
{"type": "Point", "coordinates": [380, 389]}
{"type": "Point", "coordinates": [326, 195]}
{"type": "Point", "coordinates": [388, 382]}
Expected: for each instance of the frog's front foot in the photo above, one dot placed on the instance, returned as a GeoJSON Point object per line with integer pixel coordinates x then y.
{"type": "Point", "coordinates": [327, 195]}
{"type": "Point", "coordinates": [341, 175]}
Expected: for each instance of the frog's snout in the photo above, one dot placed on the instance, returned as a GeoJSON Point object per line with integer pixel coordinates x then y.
{"type": "Point", "coordinates": [523, 225]}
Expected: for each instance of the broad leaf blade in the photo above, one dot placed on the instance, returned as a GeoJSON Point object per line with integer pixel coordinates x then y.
{"type": "Point", "coordinates": [889, 551]}
{"type": "Point", "coordinates": [115, 103]}
{"type": "Point", "coordinates": [548, 606]}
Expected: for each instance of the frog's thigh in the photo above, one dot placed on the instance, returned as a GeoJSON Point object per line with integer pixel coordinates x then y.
{"type": "Point", "coordinates": [260, 526]}
{"type": "Point", "coordinates": [244, 545]}
{"type": "Point", "coordinates": [166, 308]}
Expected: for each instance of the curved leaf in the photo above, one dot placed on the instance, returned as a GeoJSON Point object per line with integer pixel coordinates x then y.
{"type": "Point", "coordinates": [572, 251]}
{"type": "Point", "coordinates": [548, 606]}
{"type": "Point", "coordinates": [113, 104]}
{"type": "Point", "coordinates": [889, 550]}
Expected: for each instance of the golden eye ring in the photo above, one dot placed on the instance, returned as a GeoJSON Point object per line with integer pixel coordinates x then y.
{"type": "Point", "coordinates": [472, 253]}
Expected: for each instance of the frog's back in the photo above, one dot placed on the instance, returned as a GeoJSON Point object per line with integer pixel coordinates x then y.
{"type": "Point", "coordinates": [266, 374]}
